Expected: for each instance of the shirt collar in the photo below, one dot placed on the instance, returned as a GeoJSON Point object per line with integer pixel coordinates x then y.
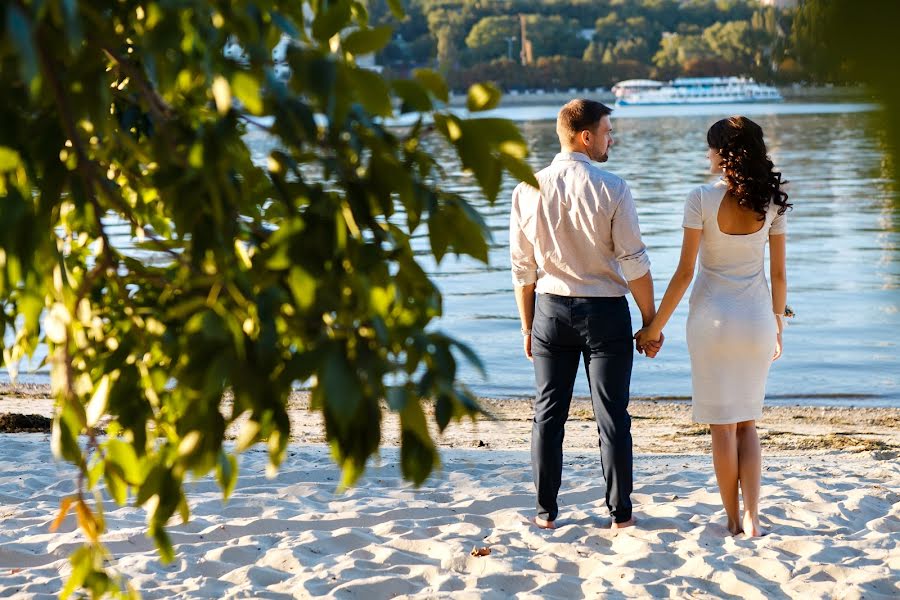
{"type": "Point", "coordinates": [578, 156]}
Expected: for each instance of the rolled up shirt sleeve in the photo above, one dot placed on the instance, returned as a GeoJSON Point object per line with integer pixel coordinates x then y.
{"type": "Point", "coordinates": [629, 249]}
{"type": "Point", "coordinates": [521, 249]}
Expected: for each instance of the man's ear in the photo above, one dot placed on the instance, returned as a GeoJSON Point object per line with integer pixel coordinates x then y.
{"type": "Point", "coordinates": [584, 137]}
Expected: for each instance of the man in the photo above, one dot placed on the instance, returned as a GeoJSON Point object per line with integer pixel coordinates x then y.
{"type": "Point", "coordinates": [576, 252]}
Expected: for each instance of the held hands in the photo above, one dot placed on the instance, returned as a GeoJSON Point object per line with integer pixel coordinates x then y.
{"type": "Point", "coordinates": [649, 341]}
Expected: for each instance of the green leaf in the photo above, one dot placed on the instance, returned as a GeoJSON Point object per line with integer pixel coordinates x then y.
{"type": "Point", "coordinates": [82, 563]}
{"type": "Point", "coordinates": [331, 20]}
{"type": "Point", "coordinates": [247, 89]}
{"type": "Point", "coordinates": [489, 176]}
{"type": "Point", "coordinates": [163, 544]}
{"type": "Point", "coordinates": [189, 443]}
{"type": "Point", "coordinates": [483, 96]}
{"type": "Point", "coordinates": [481, 144]}
{"type": "Point", "coordinates": [466, 228]}
{"type": "Point", "coordinates": [94, 471]}
{"type": "Point", "coordinates": [9, 159]}
{"type": "Point", "coordinates": [123, 455]}
{"type": "Point", "coordinates": [340, 385]}
{"type": "Point", "coordinates": [520, 170]}
{"type": "Point", "coordinates": [443, 411]}
{"type": "Point", "coordinates": [151, 485]}
{"type": "Point", "coordinates": [97, 406]}
{"type": "Point", "coordinates": [303, 287]}
{"type": "Point", "coordinates": [415, 97]}
{"type": "Point", "coordinates": [493, 131]}
{"type": "Point", "coordinates": [367, 41]}
{"type": "Point", "coordinates": [435, 83]}
{"type": "Point", "coordinates": [418, 456]}
{"type": "Point", "coordinates": [184, 510]}
{"type": "Point", "coordinates": [371, 91]}
{"type": "Point", "coordinates": [397, 10]}
{"type": "Point", "coordinates": [471, 356]}
{"type": "Point", "coordinates": [465, 400]}
{"type": "Point", "coordinates": [115, 483]}
{"type": "Point", "coordinates": [475, 152]}
{"type": "Point", "coordinates": [248, 436]}
{"type": "Point", "coordinates": [64, 436]}
{"type": "Point", "coordinates": [412, 419]}
{"type": "Point", "coordinates": [226, 473]}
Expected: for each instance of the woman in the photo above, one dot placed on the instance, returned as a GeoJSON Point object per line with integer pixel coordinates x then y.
{"type": "Point", "coordinates": [735, 323]}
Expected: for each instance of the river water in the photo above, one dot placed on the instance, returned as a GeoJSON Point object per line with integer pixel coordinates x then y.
{"type": "Point", "coordinates": [843, 253]}
{"type": "Point", "coordinates": [843, 250]}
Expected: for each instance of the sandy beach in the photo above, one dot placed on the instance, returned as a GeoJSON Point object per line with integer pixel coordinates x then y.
{"type": "Point", "coordinates": [830, 504]}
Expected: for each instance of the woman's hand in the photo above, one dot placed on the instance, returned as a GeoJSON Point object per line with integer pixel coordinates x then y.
{"type": "Point", "coordinates": [779, 347]}
{"type": "Point", "coordinates": [648, 341]}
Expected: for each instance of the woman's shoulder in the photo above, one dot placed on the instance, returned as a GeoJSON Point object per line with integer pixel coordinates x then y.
{"type": "Point", "coordinates": [714, 187]}
{"type": "Point", "coordinates": [715, 190]}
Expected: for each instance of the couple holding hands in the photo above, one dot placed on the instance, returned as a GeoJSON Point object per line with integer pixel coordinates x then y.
{"type": "Point", "coordinates": [576, 251]}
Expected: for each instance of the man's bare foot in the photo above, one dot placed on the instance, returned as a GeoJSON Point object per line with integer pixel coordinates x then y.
{"type": "Point", "coordinates": [751, 525]}
{"type": "Point", "coordinates": [629, 523]}
{"type": "Point", "coordinates": [543, 523]}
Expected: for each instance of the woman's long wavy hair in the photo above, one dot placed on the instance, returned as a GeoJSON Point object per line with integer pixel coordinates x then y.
{"type": "Point", "coordinates": [749, 172]}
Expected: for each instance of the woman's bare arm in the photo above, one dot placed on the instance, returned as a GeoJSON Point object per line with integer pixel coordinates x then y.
{"type": "Point", "coordinates": [679, 283]}
{"type": "Point", "coordinates": [778, 276]}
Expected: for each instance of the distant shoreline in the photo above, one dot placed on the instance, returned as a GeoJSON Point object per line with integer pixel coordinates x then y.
{"type": "Point", "coordinates": [794, 92]}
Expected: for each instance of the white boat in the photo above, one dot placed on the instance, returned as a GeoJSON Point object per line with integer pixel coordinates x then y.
{"type": "Point", "coordinates": [693, 90]}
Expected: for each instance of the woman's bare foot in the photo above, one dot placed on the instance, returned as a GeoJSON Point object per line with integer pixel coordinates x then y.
{"type": "Point", "coordinates": [734, 528]}
{"type": "Point", "coordinates": [543, 523]}
{"type": "Point", "coordinates": [751, 525]}
{"type": "Point", "coordinates": [623, 524]}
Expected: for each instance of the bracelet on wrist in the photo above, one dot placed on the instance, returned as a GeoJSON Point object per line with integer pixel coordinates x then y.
{"type": "Point", "coordinates": [526, 332]}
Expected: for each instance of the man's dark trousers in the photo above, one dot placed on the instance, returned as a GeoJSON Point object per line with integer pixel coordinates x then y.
{"type": "Point", "coordinates": [565, 329]}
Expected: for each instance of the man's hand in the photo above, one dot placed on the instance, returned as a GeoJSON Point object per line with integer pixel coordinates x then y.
{"type": "Point", "coordinates": [649, 342]}
{"type": "Point", "coordinates": [527, 342]}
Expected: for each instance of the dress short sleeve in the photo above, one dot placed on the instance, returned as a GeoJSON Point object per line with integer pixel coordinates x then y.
{"type": "Point", "coordinates": [693, 213]}
{"type": "Point", "coordinates": [779, 223]}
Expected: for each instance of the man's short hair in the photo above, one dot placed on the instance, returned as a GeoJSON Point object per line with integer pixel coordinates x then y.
{"type": "Point", "coordinates": [579, 115]}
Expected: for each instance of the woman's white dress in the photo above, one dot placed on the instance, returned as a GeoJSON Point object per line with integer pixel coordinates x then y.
{"type": "Point", "coordinates": [731, 327]}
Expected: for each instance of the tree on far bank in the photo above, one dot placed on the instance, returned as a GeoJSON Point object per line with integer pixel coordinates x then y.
{"type": "Point", "coordinates": [593, 53]}
{"type": "Point", "coordinates": [677, 50]}
{"type": "Point", "coordinates": [494, 37]}
{"type": "Point", "coordinates": [490, 38]}
{"type": "Point", "coordinates": [730, 42]}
